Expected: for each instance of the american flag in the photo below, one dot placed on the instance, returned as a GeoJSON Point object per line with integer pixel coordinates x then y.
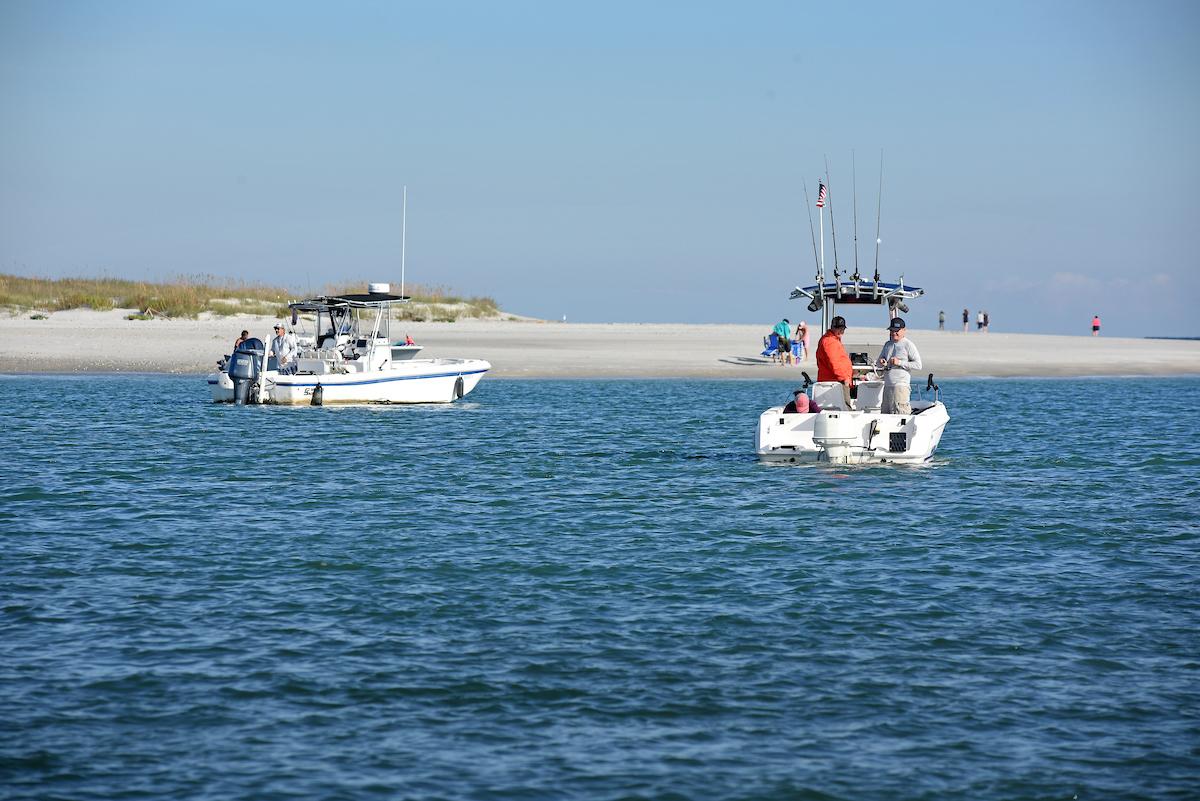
{"type": "Point", "coordinates": [821, 196]}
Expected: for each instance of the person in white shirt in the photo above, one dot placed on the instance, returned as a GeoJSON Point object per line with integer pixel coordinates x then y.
{"type": "Point", "coordinates": [898, 359]}
{"type": "Point", "coordinates": [283, 347]}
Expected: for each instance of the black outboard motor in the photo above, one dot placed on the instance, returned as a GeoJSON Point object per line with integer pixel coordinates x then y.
{"type": "Point", "coordinates": [243, 369]}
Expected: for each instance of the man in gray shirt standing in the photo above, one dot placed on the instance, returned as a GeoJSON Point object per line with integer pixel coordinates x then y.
{"type": "Point", "coordinates": [898, 359]}
{"type": "Point", "coordinates": [283, 346]}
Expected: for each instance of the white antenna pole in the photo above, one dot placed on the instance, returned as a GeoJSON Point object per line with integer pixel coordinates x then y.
{"type": "Point", "coordinates": [403, 234]}
{"type": "Point", "coordinates": [821, 222]}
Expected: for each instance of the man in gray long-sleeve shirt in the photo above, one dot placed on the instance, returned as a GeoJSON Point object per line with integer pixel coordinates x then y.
{"type": "Point", "coordinates": [283, 346]}
{"type": "Point", "coordinates": [898, 359]}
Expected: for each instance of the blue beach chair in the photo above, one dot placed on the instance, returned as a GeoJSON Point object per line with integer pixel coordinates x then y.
{"type": "Point", "coordinates": [771, 344]}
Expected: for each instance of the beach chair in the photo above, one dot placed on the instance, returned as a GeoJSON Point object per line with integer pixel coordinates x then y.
{"type": "Point", "coordinates": [771, 346]}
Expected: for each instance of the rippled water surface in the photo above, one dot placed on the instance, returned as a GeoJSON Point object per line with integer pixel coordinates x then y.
{"type": "Point", "coordinates": [592, 590]}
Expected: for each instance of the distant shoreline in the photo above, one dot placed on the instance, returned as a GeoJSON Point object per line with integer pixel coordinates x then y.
{"type": "Point", "coordinates": [82, 340]}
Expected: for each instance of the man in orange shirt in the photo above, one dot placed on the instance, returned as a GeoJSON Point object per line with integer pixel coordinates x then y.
{"type": "Point", "coordinates": [832, 362]}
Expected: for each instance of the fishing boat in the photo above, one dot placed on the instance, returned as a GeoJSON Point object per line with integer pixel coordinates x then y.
{"type": "Point", "coordinates": [857, 431]}
{"type": "Point", "coordinates": [860, 432]}
{"type": "Point", "coordinates": [348, 357]}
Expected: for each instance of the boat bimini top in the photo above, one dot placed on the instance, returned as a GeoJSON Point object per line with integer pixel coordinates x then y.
{"type": "Point", "coordinates": [327, 302]}
{"type": "Point", "coordinates": [857, 291]}
{"type": "Point", "coordinates": [344, 313]}
{"type": "Point", "coordinates": [825, 297]}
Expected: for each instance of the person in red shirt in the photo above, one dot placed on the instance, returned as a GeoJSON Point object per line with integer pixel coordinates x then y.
{"type": "Point", "coordinates": [1096, 326]}
{"type": "Point", "coordinates": [833, 364]}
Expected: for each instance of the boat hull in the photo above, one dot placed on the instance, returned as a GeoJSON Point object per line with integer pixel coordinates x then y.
{"type": "Point", "coordinates": [843, 437]}
{"type": "Point", "coordinates": [410, 381]}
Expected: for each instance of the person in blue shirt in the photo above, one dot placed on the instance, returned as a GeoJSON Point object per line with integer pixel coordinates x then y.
{"type": "Point", "coordinates": [784, 332]}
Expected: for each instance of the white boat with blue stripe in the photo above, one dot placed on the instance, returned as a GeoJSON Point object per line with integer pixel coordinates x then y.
{"type": "Point", "coordinates": [348, 357]}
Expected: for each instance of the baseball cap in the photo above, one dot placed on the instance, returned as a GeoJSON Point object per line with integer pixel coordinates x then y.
{"type": "Point", "coordinates": [838, 322]}
{"type": "Point", "coordinates": [897, 324]}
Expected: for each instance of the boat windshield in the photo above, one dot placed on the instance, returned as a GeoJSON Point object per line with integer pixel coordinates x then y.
{"type": "Point", "coordinates": [341, 318]}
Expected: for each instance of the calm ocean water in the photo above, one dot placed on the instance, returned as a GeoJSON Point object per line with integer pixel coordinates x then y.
{"type": "Point", "coordinates": [592, 590]}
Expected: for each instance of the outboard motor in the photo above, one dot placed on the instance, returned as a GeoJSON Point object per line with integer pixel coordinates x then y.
{"type": "Point", "coordinates": [834, 432]}
{"type": "Point", "coordinates": [243, 368]}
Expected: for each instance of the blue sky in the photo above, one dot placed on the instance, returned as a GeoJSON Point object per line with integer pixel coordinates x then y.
{"type": "Point", "coordinates": [618, 162]}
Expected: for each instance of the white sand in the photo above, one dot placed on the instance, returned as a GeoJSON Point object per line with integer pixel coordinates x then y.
{"type": "Point", "coordinates": [83, 340]}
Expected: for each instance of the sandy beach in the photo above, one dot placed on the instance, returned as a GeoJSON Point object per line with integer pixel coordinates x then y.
{"type": "Point", "coordinates": [82, 340]}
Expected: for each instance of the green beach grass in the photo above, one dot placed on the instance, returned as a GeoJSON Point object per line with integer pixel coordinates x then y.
{"type": "Point", "coordinates": [190, 296]}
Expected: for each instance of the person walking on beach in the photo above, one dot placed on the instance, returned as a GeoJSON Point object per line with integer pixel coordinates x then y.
{"type": "Point", "coordinates": [1096, 326]}
{"type": "Point", "coordinates": [985, 321]}
{"type": "Point", "coordinates": [978, 322]}
{"type": "Point", "coordinates": [784, 332]}
{"type": "Point", "coordinates": [283, 347]}
{"type": "Point", "coordinates": [802, 335]}
{"type": "Point", "coordinates": [833, 364]}
{"type": "Point", "coordinates": [941, 321]}
{"type": "Point", "coordinates": [966, 320]}
{"type": "Point", "coordinates": [898, 359]}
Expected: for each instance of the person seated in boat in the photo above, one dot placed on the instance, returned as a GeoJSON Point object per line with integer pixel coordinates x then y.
{"type": "Point", "coordinates": [223, 362]}
{"type": "Point", "coordinates": [833, 363]}
{"type": "Point", "coordinates": [801, 404]}
{"type": "Point", "coordinates": [898, 359]}
{"type": "Point", "coordinates": [283, 348]}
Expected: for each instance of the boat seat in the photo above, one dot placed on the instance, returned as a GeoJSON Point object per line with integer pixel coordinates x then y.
{"type": "Point", "coordinates": [829, 395]}
{"type": "Point", "coordinates": [870, 396]}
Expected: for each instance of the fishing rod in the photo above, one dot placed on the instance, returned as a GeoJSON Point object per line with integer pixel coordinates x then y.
{"type": "Point", "coordinates": [811, 232]}
{"type": "Point", "coordinates": [817, 299]}
{"type": "Point", "coordinates": [832, 230]}
{"type": "Point", "coordinates": [878, 216]}
{"type": "Point", "coordinates": [403, 234]}
{"type": "Point", "coordinates": [854, 191]}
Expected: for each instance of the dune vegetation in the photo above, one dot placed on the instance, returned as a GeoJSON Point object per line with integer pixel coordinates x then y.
{"type": "Point", "coordinates": [191, 296]}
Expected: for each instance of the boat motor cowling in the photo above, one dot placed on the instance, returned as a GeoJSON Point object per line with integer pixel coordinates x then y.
{"type": "Point", "coordinates": [246, 359]}
{"type": "Point", "coordinates": [834, 431]}
{"type": "Point", "coordinates": [243, 368]}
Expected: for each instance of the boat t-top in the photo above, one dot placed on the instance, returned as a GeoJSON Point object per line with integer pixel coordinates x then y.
{"type": "Point", "coordinates": [857, 432]}
{"type": "Point", "coordinates": [348, 357]}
